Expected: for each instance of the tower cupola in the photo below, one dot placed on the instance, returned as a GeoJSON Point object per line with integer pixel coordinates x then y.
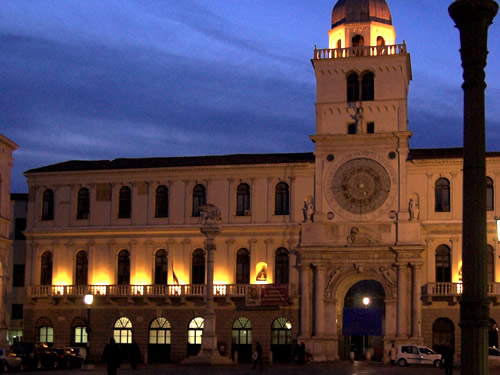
{"type": "Point", "coordinates": [361, 23]}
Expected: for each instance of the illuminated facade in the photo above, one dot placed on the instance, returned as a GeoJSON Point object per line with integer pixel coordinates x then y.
{"type": "Point", "coordinates": [305, 238]}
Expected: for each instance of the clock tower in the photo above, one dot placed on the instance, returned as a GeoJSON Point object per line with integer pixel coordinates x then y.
{"type": "Point", "coordinates": [361, 234]}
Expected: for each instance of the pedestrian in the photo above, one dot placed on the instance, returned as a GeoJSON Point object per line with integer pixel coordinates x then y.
{"type": "Point", "coordinates": [301, 353]}
{"type": "Point", "coordinates": [257, 356]}
{"type": "Point", "coordinates": [448, 360]}
{"type": "Point", "coordinates": [392, 354]}
{"type": "Point", "coordinates": [135, 355]}
{"type": "Point", "coordinates": [112, 357]}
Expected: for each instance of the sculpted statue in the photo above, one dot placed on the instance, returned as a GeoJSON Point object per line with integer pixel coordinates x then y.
{"type": "Point", "coordinates": [209, 214]}
{"type": "Point", "coordinates": [357, 237]}
{"type": "Point", "coordinates": [308, 209]}
{"type": "Point", "coordinates": [333, 275]}
{"type": "Point", "coordinates": [413, 209]}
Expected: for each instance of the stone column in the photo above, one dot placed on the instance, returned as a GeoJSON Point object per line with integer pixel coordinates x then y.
{"type": "Point", "coordinates": [305, 321]}
{"type": "Point", "coordinates": [319, 301]}
{"type": "Point", "coordinates": [473, 18]}
{"type": "Point", "coordinates": [416, 303]}
{"type": "Point", "coordinates": [403, 301]}
{"type": "Point", "coordinates": [209, 340]}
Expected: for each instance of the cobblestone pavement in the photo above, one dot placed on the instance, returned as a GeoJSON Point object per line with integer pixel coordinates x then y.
{"type": "Point", "coordinates": [337, 368]}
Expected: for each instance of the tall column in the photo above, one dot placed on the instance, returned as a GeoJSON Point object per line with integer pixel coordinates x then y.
{"type": "Point", "coordinates": [305, 321]}
{"type": "Point", "coordinates": [319, 301]}
{"type": "Point", "coordinates": [473, 18]}
{"type": "Point", "coordinates": [416, 304]}
{"type": "Point", "coordinates": [209, 341]}
{"type": "Point", "coordinates": [403, 301]}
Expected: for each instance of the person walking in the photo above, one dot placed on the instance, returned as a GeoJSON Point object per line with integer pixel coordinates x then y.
{"type": "Point", "coordinates": [257, 356]}
{"type": "Point", "coordinates": [448, 360]}
{"type": "Point", "coordinates": [135, 355]}
{"type": "Point", "coordinates": [111, 356]}
{"type": "Point", "coordinates": [392, 355]}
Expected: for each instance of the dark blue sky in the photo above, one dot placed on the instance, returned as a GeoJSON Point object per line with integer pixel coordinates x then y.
{"type": "Point", "coordinates": [102, 79]}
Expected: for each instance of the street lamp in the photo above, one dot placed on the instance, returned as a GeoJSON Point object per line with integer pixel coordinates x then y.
{"type": "Point", "coordinates": [88, 300]}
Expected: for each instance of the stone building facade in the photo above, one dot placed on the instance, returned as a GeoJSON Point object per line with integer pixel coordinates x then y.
{"type": "Point", "coordinates": [309, 243]}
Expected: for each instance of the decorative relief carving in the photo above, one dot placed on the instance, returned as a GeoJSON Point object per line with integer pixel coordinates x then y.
{"type": "Point", "coordinates": [360, 237]}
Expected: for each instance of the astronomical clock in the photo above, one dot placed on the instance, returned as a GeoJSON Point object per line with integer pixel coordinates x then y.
{"type": "Point", "coordinates": [361, 186]}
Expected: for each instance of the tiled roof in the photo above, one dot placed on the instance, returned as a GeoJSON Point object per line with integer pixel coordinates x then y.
{"type": "Point", "coordinates": [169, 162]}
{"type": "Point", "coordinates": [442, 153]}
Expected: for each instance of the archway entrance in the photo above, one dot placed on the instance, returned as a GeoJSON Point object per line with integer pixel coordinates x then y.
{"type": "Point", "coordinates": [363, 321]}
{"type": "Point", "coordinates": [443, 335]}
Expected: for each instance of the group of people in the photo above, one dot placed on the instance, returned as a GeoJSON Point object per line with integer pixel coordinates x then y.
{"type": "Point", "coordinates": [113, 356]}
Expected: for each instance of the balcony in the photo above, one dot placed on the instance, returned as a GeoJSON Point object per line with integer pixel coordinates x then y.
{"type": "Point", "coordinates": [188, 290]}
{"type": "Point", "coordinates": [451, 292]}
{"type": "Point", "coordinates": [254, 294]}
{"type": "Point", "coordinates": [342, 53]}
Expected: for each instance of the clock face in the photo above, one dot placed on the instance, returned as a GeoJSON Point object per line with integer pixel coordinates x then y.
{"type": "Point", "coordinates": [359, 186]}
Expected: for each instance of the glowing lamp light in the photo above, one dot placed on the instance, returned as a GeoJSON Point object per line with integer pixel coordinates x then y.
{"type": "Point", "coordinates": [88, 299]}
{"type": "Point", "coordinates": [498, 228]}
{"type": "Point", "coordinates": [366, 301]}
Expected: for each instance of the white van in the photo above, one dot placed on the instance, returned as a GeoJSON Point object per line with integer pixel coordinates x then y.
{"type": "Point", "coordinates": [417, 355]}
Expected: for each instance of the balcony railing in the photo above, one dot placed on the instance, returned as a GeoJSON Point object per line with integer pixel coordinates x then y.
{"type": "Point", "coordinates": [453, 289]}
{"type": "Point", "coordinates": [341, 53]}
{"type": "Point", "coordinates": [187, 290]}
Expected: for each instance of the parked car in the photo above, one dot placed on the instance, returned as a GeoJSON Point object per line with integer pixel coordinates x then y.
{"type": "Point", "coordinates": [81, 352]}
{"type": "Point", "coordinates": [68, 358]}
{"type": "Point", "coordinates": [10, 361]}
{"type": "Point", "coordinates": [417, 355]}
{"type": "Point", "coordinates": [35, 355]}
{"type": "Point", "coordinates": [493, 356]}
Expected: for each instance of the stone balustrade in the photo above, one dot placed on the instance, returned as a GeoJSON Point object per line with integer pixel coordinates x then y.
{"type": "Point", "coordinates": [453, 289]}
{"type": "Point", "coordinates": [174, 290]}
{"type": "Point", "coordinates": [341, 53]}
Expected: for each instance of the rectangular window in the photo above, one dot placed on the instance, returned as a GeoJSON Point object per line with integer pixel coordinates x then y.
{"type": "Point", "coordinates": [370, 128]}
{"type": "Point", "coordinates": [46, 334]}
{"type": "Point", "coordinates": [19, 228]}
{"type": "Point", "coordinates": [17, 311]}
{"type": "Point", "coordinates": [18, 275]}
{"type": "Point", "coordinates": [351, 128]}
{"type": "Point", "coordinates": [81, 336]}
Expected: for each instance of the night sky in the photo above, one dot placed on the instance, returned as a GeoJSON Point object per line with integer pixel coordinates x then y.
{"type": "Point", "coordinates": [102, 79]}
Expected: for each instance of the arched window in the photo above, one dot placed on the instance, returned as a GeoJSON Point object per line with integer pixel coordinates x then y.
{"type": "Point", "coordinates": [82, 267]}
{"type": "Point", "coordinates": [195, 333]}
{"type": "Point", "coordinates": [282, 199]}
{"type": "Point", "coordinates": [443, 335]}
{"type": "Point", "coordinates": [46, 269]}
{"type": "Point", "coordinates": [159, 340]}
{"type": "Point", "coordinates": [48, 205]}
{"type": "Point", "coordinates": [79, 329]}
{"type": "Point", "coordinates": [490, 200]}
{"type": "Point", "coordinates": [125, 203]}
{"type": "Point", "coordinates": [358, 41]}
{"type": "Point", "coordinates": [490, 253]}
{"type": "Point", "coordinates": [199, 199]}
{"type": "Point", "coordinates": [243, 200]}
{"type": "Point", "coordinates": [353, 87]}
{"type": "Point", "coordinates": [442, 195]}
{"type": "Point", "coordinates": [243, 266]}
{"type": "Point", "coordinates": [443, 264]}
{"type": "Point", "coordinates": [339, 44]}
{"type": "Point", "coordinates": [281, 266]}
{"type": "Point", "coordinates": [380, 41]}
{"type": "Point", "coordinates": [83, 205]}
{"type": "Point", "coordinates": [123, 267]}
{"type": "Point", "coordinates": [122, 331]}
{"type": "Point", "coordinates": [161, 267]}
{"type": "Point", "coordinates": [242, 339]}
{"type": "Point", "coordinates": [198, 267]}
{"type": "Point", "coordinates": [45, 334]}
{"type": "Point", "coordinates": [161, 207]}
{"type": "Point", "coordinates": [281, 339]}
{"type": "Point", "coordinates": [44, 330]}
{"type": "Point", "coordinates": [368, 86]}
